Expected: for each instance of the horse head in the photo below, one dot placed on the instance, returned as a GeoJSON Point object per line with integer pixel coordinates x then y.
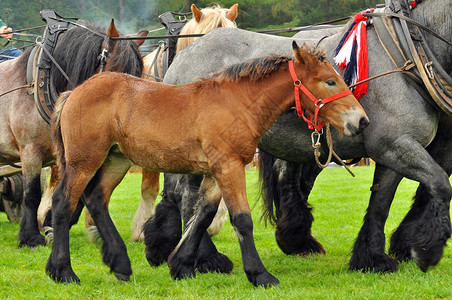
{"type": "Point", "coordinates": [206, 20]}
{"type": "Point", "coordinates": [320, 84]}
{"type": "Point", "coordinates": [114, 55]}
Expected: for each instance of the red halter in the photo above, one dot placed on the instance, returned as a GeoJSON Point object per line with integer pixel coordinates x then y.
{"type": "Point", "coordinates": [317, 102]}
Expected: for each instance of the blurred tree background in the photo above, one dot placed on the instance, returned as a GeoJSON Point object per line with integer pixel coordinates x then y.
{"type": "Point", "coordinates": [132, 15]}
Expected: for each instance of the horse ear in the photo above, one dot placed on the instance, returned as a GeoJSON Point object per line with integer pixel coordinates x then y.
{"type": "Point", "coordinates": [142, 33]}
{"type": "Point", "coordinates": [296, 52]}
{"type": "Point", "coordinates": [112, 31]}
{"type": "Point", "coordinates": [197, 14]}
{"type": "Point", "coordinates": [233, 12]}
{"type": "Point", "coordinates": [301, 55]}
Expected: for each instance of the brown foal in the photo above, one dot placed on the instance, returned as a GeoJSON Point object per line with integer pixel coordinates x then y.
{"type": "Point", "coordinates": [209, 127]}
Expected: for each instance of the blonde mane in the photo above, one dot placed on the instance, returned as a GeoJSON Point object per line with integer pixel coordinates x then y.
{"type": "Point", "coordinates": [203, 21]}
{"type": "Point", "coordinates": [213, 17]}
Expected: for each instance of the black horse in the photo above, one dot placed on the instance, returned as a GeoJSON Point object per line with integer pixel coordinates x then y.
{"type": "Point", "coordinates": [25, 135]}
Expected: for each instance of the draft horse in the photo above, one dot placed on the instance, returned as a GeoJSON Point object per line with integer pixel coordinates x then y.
{"type": "Point", "coordinates": [24, 134]}
{"type": "Point", "coordinates": [210, 127]}
{"type": "Point", "coordinates": [417, 150]}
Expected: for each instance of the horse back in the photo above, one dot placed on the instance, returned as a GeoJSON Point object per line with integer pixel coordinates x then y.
{"type": "Point", "coordinates": [139, 116]}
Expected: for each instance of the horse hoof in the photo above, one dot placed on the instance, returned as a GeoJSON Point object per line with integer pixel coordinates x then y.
{"type": "Point", "coordinates": [32, 241]}
{"type": "Point", "coordinates": [215, 263]}
{"type": "Point", "coordinates": [61, 275]}
{"type": "Point", "coordinates": [155, 255]}
{"type": "Point", "coordinates": [312, 247]}
{"type": "Point", "coordinates": [299, 246]}
{"type": "Point", "coordinates": [180, 270]}
{"type": "Point", "coordinates": [425, 258]}
{"type": "Point", "coordinates": [380, 263]}
{"type": "Point", "coordinates": [264, 279]}
{"type": "Point", "coordinates": [122, 277]}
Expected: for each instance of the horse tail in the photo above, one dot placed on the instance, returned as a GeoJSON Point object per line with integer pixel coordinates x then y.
{"type": "Point", "coordinates": [56, 131]}
{"type": "Point", "coordinates": [269, 186]}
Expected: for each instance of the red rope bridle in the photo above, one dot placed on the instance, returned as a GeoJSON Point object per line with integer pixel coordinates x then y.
{"type": "Point", "coordinates": [317, 102]}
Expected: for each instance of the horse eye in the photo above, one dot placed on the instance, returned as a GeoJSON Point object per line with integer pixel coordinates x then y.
{"type": "Point", "coordinates": [331, 82]}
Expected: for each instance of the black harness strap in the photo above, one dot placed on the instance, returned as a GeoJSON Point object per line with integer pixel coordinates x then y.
{"type": "Point", "coordinates": [429, 76]}
{"type": "Point", "coordinates": [43, 92]}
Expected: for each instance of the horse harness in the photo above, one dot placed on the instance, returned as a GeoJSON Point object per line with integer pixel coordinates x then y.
{"type": "Point", "coordinates": [40, 63]}
{"type": "Point", "coordinates": [166, 47]}
{"type": "Point", "coordinates": [404, 43]}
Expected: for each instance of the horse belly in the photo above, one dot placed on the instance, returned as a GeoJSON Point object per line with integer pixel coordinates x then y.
{"type": "Point", "coordinates": [168, 160]}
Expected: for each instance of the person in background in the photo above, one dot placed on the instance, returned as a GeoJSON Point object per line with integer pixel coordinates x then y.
{"type": "Point", "coordinates": [6, 32]}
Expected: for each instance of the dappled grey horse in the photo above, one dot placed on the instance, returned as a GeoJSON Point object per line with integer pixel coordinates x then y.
{"type": "Point", "coordinates": [402, 125]}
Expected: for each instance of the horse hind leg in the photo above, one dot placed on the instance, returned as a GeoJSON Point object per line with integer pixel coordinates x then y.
{"type": "Point", "coordinates": [294, 216]}
{"type": "Point", "coordinates": [162, 231]}
{"type": "Point", "coordinates": [150, 186]}
{"type": "Point", "coordinates": [208, 259]}
{"type": "Point", "coordinates": [98, 193]}
{"type": "Point", "coordinates": [58, 266]}
{"type": "Point", "coordinates": [183, 258]}
{"type": "Point", "coordinates": [113, 171]}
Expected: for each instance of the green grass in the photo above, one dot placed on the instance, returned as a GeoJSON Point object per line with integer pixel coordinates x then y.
{"type": "Point", "coordinates": [339, 203]}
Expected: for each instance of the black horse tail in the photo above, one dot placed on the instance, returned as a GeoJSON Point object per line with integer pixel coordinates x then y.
{"type": "Point", "coordinates": [56, 131]}
{"type": "Point", "coordinates": [269, 186]}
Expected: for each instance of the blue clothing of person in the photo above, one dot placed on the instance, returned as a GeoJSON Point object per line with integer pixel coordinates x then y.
{"type": "Point", "coordinates": [9, 54]}
{"type": "Point", "coordinates": [6, 54]}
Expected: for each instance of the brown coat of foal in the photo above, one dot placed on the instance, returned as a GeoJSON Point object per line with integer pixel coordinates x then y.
{"type": "Point", "coordinates": [208, 127]}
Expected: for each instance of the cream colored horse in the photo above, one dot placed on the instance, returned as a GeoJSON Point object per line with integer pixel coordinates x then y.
{"type": "Point", "coordinates": [203, 21]}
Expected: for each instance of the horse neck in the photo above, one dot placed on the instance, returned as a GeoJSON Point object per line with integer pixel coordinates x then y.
{"type": "Point", "coordinates": [263, 101]}
{"type": "Point", "coordinates": [435, 14]}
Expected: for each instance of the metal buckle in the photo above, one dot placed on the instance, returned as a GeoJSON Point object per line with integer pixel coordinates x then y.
{"type": "Point", "coordinates": [315, 138]}
{"type": "Point", "coordinates": [429, 70]}
{"type": "Point", "coordinates": [321, 104]}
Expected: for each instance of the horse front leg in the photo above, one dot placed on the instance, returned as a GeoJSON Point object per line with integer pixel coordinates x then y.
{"type": "Point", "coordinates": [29, 234]}
{"type": "Point", "coordinates": [369, 248]}
{"type": "Point", "coordinates": [431, 231]}
{"type": "Point", "coordinates": [232, 183]}
{"type": "Point", "coordinates": [406, 235]}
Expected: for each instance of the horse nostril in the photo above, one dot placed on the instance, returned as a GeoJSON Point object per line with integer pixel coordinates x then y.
{"type": "Point", "coordinates": [363, 122]}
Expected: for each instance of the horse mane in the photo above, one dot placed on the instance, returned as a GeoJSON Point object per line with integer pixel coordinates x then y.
{"type": "Point", "coordinates": [78, 50]}
{"type": "Point", "coordinates": [22, 61]}
{"type": "Point", "coordinates": [259, 68]}
{"type": "Point", "coordinates": [213, 17]}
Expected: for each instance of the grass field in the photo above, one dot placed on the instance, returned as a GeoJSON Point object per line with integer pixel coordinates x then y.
{"type": "Point", "coordinates": [339, 203]}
